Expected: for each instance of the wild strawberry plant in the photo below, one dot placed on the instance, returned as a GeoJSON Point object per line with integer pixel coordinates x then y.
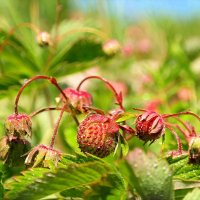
{"type": "Point", "coordinates": [91, 150]}
{"type": "Point", "coordinates": [100, 133]}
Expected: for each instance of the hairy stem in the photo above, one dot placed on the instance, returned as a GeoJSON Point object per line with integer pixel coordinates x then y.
{"type": "Point", "coordinates": [117, 96]}
{"type": "Point", "coordinates": [56, 127]}
{"type": "Point", "coordinates": [177, 138]}
{"type": "Point", "coordinates": [181, 113]}
{"type": "Point", "coordinates": [33, 114]}
{"type": "Point", "coordinates": [188, 127]}
{"type": "Point", "coordinates": [139, 109]}
{"type": "Point", "coordinates": [52, 81]}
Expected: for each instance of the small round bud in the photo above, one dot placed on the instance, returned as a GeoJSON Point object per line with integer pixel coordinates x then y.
{"type": "Point", "coordinates": [43, 155]}
{"type": "Point", "coordinates": [111, 47]}
{"type": "Point", "coordinates": [12, 150]}
{"type": "Point", "coordinates": [97, 135]}
{"type": "Point", "coordinates": [194, 150]}
{"type": "Point", "coordinates": [43, 39]}
{"type": "Point", "coordinates": [149, 126]}
{"type": "Point", "coordinates": [78, 99]}
{"type": "Point", "coordinates": [18, 125]}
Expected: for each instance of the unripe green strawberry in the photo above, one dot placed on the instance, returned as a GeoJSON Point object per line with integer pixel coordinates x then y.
{"type": "Point", "coordinates": [149, 126]}
{"type": "Point", "coordinates": [18, 125]}
{"type": "Point", "coordinates": [97, 135]}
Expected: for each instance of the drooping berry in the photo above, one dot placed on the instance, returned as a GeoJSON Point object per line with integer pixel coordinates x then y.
{"type": "Point", "coordinates": [43, 39]}
{"type": "Point", "coordinates": [18, 125]}
{"type": "Point", "coordinates": [194, 150]}
{"type": "Point", "coordinates": [78, 99]}
{"type": "Point", "coordinates": [149, 126]}
{"type": "Point", "coordinates": [12, 150]}
{"type": "Point", "coordinates": [43, 155]}
{"type": "Point", "coordinates": [97, 135]}
{"type": "Point", "coordinates": [111, 47]}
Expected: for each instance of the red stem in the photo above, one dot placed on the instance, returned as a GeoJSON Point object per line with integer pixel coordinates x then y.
{"type": "Point", "coordinates": [183, 132]}
{"type": "Point", "coordinates": [187, 126]}
{"type": "Point", "coordinates": [181, 113]}
{"type": "Point", "coordinates": [43, 110]}
{"type": "Point", "coordinates": [56, 127]}
{"type": "Point", "coordinates": [177, 138]}
{"type": "Point", "coordinates": [52, 81]}
{"type": "Point", "coordinates": [139, 109]}
{"type": "Point", "coordinates": [117, 96]}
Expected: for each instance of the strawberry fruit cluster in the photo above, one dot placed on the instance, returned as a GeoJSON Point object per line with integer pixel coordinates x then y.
{"type": "Point", "coordinates": [99, 133]}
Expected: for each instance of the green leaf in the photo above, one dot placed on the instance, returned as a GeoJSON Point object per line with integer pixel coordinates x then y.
{"type": "Point", "coordinates": [112, 187]}
{"type": "Point", "coordinates": [84, 50]}
{"type": "Point", "coordinates": [194, 195]}
{"type": "Point", "coordinates": [76, 192]}
{"type": "Point", "coordinates": [183, 170]}
{"type": "Point", "coordinates": [125, 116]}
{"type": "Point", "coordinates": [122, 147]}
{"type": "Point", "coordinates": [84, 53]}
{"type": "Point", "coordinates": [151, 176]}
{"type": "Point", "coordinates": [183, 187]}
{"type": "Point", "coordinates": [34, 186]}
{"type": "Point", "coordinates": [79, 158]}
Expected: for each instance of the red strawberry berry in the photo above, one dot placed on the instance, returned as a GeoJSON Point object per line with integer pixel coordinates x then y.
{"type": "Point", "coordinates": [78, 99]}
{"type": "Point", "coordinates": [149, 126]}
{"type": "Point", "coordinates": [97, 135]}
{"type": "Point", "coordinates": [18, 125]}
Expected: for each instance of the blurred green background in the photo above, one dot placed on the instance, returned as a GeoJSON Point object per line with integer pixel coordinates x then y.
{"type": "Point", "coordinates": [158, 66]}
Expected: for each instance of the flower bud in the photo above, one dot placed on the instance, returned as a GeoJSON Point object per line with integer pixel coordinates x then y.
{"type": "Point", "coordinates": [12, 151]}
{"type": "Point", "coordinates": [78, 99]}
{"type": "Point", "coordinates": [111, 47]}
{"type": "Point", "coordinates": [149, 126]}
{"type": "Point", "coordinates": [97, 135]}
{"type": "Point", "coordinates": [43, 39]}
{"type": "Point", "coordinates": [194, 150]}
{"type": "Point", "coordinates": [44, 156]}
{"type": "Point", "coordinates": [18, 125]}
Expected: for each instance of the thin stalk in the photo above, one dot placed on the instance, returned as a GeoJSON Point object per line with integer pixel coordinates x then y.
{"type": "Point", "coordinates": [12, 31]}
{"type": "Point", "coordinates": [48, 103]}
{"type": "Point", "coordinates": [181, 113]}
{"type": "Point", "coordinates": [139, 109]}
{"type": "Point", "coordinates": [117, 96]}
{"type": "Point", "coordinates": [52, 81]}
{"type": "Point", "coordinates": [56, 127]}
{"type": "Point", "coordinates": [179, 128]}
{"type": "Point", "coordinates": [33, 114]}
{"type": "Point", "coordinates": [187, 126]}
{"type": "Point", "coordinates": [177, 138]}
{"type": "Point", "coordinates": [183, 132]}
